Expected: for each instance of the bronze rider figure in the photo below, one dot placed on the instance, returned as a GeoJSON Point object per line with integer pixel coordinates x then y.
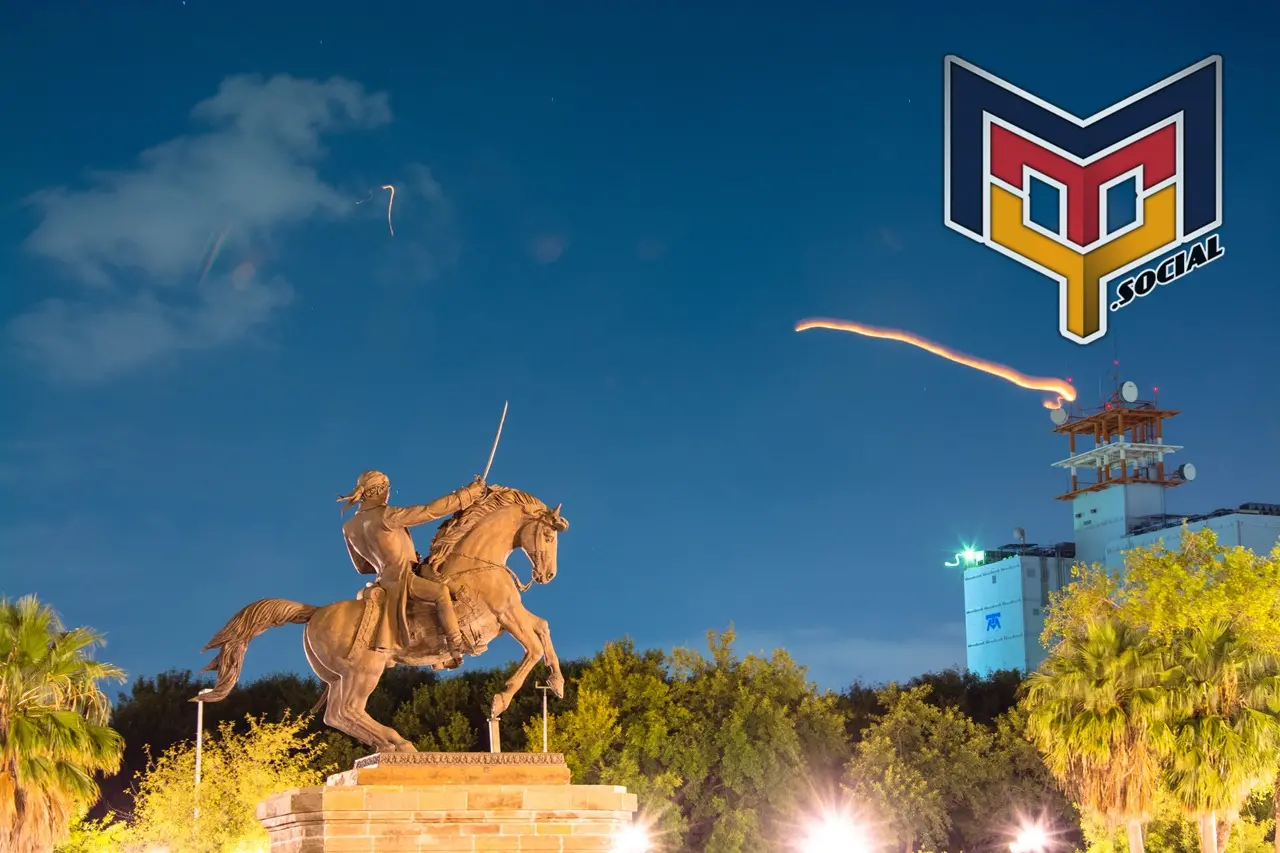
{"type": "Point", "coordinates": [379, 543]}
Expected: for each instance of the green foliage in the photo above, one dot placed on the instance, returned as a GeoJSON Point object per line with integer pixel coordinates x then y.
{"type": "Point", "coordinates": [719, 749]}
{"type": "Point", "coordinates": [101, 835]}
{"type": "Point", "coordinates": [753, 735]}
{"type": "Point", "coordinates": [157, 713]}
{"type": "Point", "coordinates": [1166, 592]}
{"type": "Point", "coordinates": [1160, 700]}
{"type": "Point", "coordinates": [239, 770]}
{"type": "Point", "coordinates": [726, 753]}
{"type": "Point", "coordinates": [935, 779]}
{"type": "Point", "coordinates": [1223, 701]}
{"type": "Point", "coordinates": [1096, 711]}
{"type": "Point", "coordinates": [53, 732]}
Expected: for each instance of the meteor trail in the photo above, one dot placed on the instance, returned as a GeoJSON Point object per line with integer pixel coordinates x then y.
{"type": "Point", "coordinates": [1064, 390]}
{"type": "Point", "coordinates": [390, 203]}
{"type": "Point", "coordinates": [213, 254]}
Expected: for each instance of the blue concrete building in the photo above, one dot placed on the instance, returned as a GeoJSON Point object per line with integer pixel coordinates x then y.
{"type": "Point", "coordinates": [1117, 500]}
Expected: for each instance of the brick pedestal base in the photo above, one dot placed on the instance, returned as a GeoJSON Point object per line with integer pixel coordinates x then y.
{"type": "Point", "coordinates": [450, 803]}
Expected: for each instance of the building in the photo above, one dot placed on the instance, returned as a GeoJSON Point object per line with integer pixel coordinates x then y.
{"type": "Point", "coordinates": [1117, 499]}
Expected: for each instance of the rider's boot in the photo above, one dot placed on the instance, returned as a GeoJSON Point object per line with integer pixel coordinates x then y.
{"type": "Point", "coordinates": [452, 635]}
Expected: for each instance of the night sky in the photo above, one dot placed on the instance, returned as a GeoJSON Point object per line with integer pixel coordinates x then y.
{"type": "Point", "coordinates": [612, 215]}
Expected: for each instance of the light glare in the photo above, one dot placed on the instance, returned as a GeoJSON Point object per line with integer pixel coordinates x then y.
{"type": "Point", "coordinates": [1032, 839]}
{"type": "Point", "coordinates": [633, 839]}
{"type": "Point", "coordinates": [834, 834]}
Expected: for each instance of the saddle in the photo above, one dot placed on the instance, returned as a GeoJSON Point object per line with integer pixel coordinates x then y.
{"type": "Point", "coordinates": [426, 640]}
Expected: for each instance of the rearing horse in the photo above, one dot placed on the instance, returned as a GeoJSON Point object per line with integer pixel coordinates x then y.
{"type": "Point", "coordinates": [470, 551]}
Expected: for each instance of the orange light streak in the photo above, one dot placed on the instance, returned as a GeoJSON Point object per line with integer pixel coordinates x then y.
{"type": "Point", "coordinates": [1062, 389]}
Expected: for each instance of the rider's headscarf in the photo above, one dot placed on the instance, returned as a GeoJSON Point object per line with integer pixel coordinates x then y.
{"type": "Point", "coordinates": [370, 482]}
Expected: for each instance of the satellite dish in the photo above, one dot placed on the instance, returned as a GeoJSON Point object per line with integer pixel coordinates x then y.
{"type": "Point", "coordinates": [1186, 471]}
{"type": "Point", "coordinates": [1058, 416]}
{"type": "Point", "coordinates": [1129, 392]}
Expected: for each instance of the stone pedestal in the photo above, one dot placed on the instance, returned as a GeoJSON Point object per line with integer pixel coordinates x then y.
{"type": "Point", "coordinates": [450, 803]}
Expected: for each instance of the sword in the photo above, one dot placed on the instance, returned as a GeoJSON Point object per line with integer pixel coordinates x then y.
{"type": "Point", "coordinates": [485, 476]}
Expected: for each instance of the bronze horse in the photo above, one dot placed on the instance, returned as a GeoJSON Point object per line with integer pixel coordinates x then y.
{"type": "Point", "coordinates": [470, 552]}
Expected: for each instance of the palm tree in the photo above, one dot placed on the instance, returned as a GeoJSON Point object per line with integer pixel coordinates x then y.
{"type": "Point", "coordinates": [1225, 699]}
{"type": "Point", "coordinates": [1097, 712]}
{"type": "Point", "coordinates": [53, 732]}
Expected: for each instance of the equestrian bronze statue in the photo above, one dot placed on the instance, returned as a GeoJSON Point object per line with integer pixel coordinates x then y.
{"type": "Point", "coordinates": [419, 612]}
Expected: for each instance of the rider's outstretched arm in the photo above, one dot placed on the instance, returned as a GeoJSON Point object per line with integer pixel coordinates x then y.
{"type": "Point", "coordinates": [409, 516]}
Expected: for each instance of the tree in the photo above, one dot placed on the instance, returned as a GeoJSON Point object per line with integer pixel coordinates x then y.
{"type": "Point", "coordinates": [53, 732]}
{"type": "Point", "coordinates": [722, 751]}
{"type": "Point", "coordinates": [1170, 594]}
{"type": "Point", "coordinates": [916, 766]}
{"type": "Point", "coordinates": [1170, 591]}
{"type": "Point", "coordinates": [1225, 698]}
{"type": "Point", "coordinates": [756, 738]}
{"type": "Point", "coordinates": [158, 713]}
{"type": "Point", "coordinates": [1097, 712]}
{"type": "Point", "coordinates": [1022, 790]}
{"type": "Point", "coordinates": [931, 777]}
{"type": "Point", "coordinates": [240, 769]}
{"type": "Point", "coordinates": [623, 729]}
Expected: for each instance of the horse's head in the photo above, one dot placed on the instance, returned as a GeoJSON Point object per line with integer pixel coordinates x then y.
{"type": "Point", "coordinates": [537, 537]}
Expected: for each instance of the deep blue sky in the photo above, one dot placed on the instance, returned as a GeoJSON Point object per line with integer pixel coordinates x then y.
{"type": "Point", "coordinates": [628, 207]}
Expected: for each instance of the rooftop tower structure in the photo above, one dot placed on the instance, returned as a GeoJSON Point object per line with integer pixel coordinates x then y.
{"type": "Point", "coordinates": [1120, 476]}
{"type": "Point", "coordinates": [1120, 482]}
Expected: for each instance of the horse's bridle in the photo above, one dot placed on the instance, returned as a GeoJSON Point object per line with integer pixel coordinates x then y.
{"type": "Point", "coordinates": [535, 557]}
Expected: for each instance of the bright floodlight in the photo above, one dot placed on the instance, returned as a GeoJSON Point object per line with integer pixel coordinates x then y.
{"type": "Point", "coordinates": [633, 839]}
{"type": "Point", "coordinates": [834, 834]}
{"type": "Point", "coordinates": [968, 556]}
{"type": "Point", "coordinates": [1032, 839]}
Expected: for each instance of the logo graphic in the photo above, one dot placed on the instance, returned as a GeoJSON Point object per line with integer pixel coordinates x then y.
{"type": "Point", "coordinates": [1005, 146]}
{"type": "Point", "coordinates": [993, 621]}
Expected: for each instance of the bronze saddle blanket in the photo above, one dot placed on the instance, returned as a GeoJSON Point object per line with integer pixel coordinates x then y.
{"type": "Point", "coordinates": [426, 639]}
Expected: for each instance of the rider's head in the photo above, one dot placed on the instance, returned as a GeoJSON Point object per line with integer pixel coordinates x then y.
{"type": "Point", "coordinates": [372, 488]}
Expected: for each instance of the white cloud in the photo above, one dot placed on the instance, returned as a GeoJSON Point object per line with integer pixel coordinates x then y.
{"type": "Point", "coordinates": [136, 240]}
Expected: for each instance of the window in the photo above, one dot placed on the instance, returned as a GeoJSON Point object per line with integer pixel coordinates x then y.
{"type": "Point", "coordinates": [993, 578]}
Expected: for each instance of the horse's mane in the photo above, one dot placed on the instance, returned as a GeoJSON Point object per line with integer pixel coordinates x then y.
{"type": "Point", "coordinates": [461, 523]}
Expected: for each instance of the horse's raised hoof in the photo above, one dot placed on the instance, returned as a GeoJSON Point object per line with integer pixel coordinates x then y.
{"type": "Point", "coordinates": [499, 705]}
{"type": "Point", "coordinates": [556, 683]}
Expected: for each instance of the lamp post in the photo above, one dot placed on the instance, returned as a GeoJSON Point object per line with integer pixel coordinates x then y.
{"type": "Point", "coordinates": [544, 688]}
{"type": "Point", "coordinates": [199, 748]}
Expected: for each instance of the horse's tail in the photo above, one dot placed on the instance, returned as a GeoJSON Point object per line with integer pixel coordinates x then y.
{"type": "Point", "coordinates": [232, 641]}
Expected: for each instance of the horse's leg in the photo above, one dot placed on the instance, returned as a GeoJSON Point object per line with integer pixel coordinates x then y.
{"type": "Point", "coordinates": [357, 684]}
{"type": "Point", "coordinates": [335, 710]}
{"type": "Point", "coordinates": [324, 673]}
{"type": "Point", "coordinates": [328, 644]}
{"type": "Point", "coordinates": [523, 628]}
{"type": "Point", "coordinates": [556, 680]}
